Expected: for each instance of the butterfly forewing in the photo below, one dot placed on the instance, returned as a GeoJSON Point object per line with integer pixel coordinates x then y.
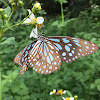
{"type": "Point", "coordinates": [17, 59]}
{"type": "Point", "coordinates": [46, 60]}
{"type": "Point", "coordinates": [71, 48]}
{"type": "Point", "coordinates": [26, 52]}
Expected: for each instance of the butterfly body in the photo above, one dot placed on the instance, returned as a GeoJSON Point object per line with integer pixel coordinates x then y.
{"type": "Point", "coordinates": [46, 53]}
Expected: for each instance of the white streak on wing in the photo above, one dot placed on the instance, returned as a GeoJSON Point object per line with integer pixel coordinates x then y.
{"type": "Point", "coordinates": [36, 50]}
{"type": "Point", "coordinates": [50, 45]}
{"type": "Point", "coordinates": [35, 46]}
{"type": "Point", "coordinates": [40, 49]}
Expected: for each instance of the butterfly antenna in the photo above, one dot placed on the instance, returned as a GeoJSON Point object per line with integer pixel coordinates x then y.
{"type": "Point", "coordinates": [43, 30]}
{"type": "Point", "coordinates": [40, 31]}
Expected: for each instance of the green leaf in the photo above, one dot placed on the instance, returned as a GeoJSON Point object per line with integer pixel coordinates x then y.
{"type": "Point", "coordinates": [92, 85]}
{"type": "Point", "coordinates": [15, 89]}
{"type": "Point", "coordinates": [7, 50]}
{"type": "Point", "coordinates": [55, 23]}
{"type": "Point", "coordinates": [4, 76]}
{"type": "Point", "coordinates": [69, 93]}
{"type": "Point", "coordinates": [8, 41]}
{"type": "Point", "coordinates": [97, 81]}
{"type": "Point", "coordinates": [17, 97]}
{"type": "Point", "coordinates": [98, 87]}
{"type": "Point", "coordinates": [8, 11]}
{"type": "Point", "coordinates": [26, 97]}
{"type": "Point", "coordinates": [1, 52]}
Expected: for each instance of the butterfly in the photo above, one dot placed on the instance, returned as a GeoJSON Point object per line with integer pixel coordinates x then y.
{"type": "Point", "coordinates": [46, 53]}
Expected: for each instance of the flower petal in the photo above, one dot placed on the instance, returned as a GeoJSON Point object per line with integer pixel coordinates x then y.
{"type": "Point", "coordinates": [64, 91]}
{"type": "Point", "coordinates": [40, 20]}
{"type": "Point", "coordinates": [63, 98]}
{"type": "Point", "coordinates": [71, 98]}
{"type": "Point", "coordinates": [34, 33]}
{"type": "Point", "coordinates": [32, 16]}
{"type": "Point", "coordinates": [27, 20]}
{"type": "Point", "coordinates": [51, 93]}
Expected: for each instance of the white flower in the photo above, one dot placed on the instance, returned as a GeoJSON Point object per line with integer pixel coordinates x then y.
{"type": "Point", "coordinates": [63, 98]}
{"type": "Point", "coordinates": [71, 98]}
{"type": "Point", "coordinates": [30, 20]}
{"type": "Point", "coordinates": [64, 91]}
{"type": "Point", "coordinates": [53, 92]}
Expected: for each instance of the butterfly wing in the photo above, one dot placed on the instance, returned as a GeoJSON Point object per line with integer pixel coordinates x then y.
{"type": "Point", "coordinates": [44, 58]}
{"type": "Point", "coordinates": [71, 48]}
{"type": "Point", "coordinates": [18, 58]}
{"type": "Point", "coordinates": [21, 57]}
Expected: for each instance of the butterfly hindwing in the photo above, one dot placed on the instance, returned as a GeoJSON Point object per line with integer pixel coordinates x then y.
{"type": "Point", "coordinates": [71, 48]}
{"type": "Point", "coordinates": [46, 59]}
{"type": "Point", "coordinates": [24, 68]}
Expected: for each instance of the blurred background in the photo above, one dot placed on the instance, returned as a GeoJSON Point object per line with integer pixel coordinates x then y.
{"type": "Point", "coordinates": [81, 77]}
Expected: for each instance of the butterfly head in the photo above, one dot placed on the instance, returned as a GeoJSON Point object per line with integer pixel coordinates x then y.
{"type": "Point", "coordinates": [41, 37]}
{"type": "Point", "coordinates": [41, 34]}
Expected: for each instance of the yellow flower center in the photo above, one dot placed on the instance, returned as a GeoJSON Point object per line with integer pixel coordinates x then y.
{"type": "Point", "coordinates": [53, 92]}
{"type": "Point", "coordinates": [60, 91]}
{"type": "Point", "coordinates": [67, 99]}
{"type": "Point", "coordinates": [38, 25]}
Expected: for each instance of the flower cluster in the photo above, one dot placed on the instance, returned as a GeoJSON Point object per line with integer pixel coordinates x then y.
{"type": "Point", "coordinates": [36, 22]}
{"type": "Point", "coordinates": [61, 92]}
{"type": "Point", "coordinates": [32, 20]}
{"type": "Point", "coordinates": [16, 2]}
{"type": "Point", "coordinates": [95, 6]}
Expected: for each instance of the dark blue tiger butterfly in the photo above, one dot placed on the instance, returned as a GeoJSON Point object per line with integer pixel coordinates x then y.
{"type": "Point", "coordinates": [45, 53]}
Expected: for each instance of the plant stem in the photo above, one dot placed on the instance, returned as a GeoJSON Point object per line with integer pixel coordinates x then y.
{"type": "Point", "coordinates": [0, 87]}
{"type": "Point", "coordinates": [10, 16]}
{"type": "Point", "coordinates": [39, 83]}
{"type": "Point", "coordinates": [18, 23]}
{"type": "Point", "coordinates": [46, 87]}
{"type": "Point", "coordinates": [62, 14]}
{"type": "Point", "coordinates": [56, 97]}
{"type": "Point", "coordinates": [89, 84]}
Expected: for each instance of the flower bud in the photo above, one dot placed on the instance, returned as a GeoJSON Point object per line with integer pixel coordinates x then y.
{"type": "Point", "coordinates": [13, 4]}
{"type": "Point", "coordinates": [11, 1]}
{"type": "Point", "coordinates": [96, 19]}
{"type": "Point", "coordinates": [1, 10]}
{"type": "Point", "coordinates": [5, 16]}
{"type": "Point", "coordinates": [36, 7]}
{"type": "Point", "coordinates": [20, 3]}
{"type": "Point", "coordinates": [75, 97]}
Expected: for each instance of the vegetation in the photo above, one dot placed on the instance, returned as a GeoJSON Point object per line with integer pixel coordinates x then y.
{"type": "Point", "coordinates": [76, 18]}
